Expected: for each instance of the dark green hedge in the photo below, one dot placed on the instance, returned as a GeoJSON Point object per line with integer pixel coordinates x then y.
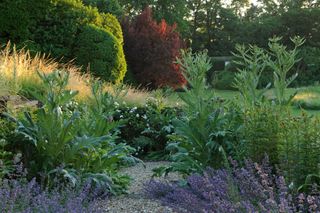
{"type": "Point", "coordinates": [57, 27]}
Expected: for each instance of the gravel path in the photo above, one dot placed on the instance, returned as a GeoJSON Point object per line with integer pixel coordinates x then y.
{"type": "Point", "coordinates": [135, 201]}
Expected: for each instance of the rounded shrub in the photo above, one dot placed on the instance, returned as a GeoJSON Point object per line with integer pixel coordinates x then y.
{"type": "Point", "coordinates": [16, 20]}
{"type": "Point", "coordinates": [106, 6]}
{"type": "Point", "coordinates": [112, 24]}
{"type": "Point", "coordinates": [100, 51]}
{"type": "Point", "coordinates": [54, 27]}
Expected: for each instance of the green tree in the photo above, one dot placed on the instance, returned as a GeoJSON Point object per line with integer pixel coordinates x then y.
{"type": "Point", "coordinates": [172, 11]}
{"type": "Point", "coordinates": [106, 6]}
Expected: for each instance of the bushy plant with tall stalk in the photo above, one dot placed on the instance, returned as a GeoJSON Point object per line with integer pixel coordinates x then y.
{"type": "Point", "coordinates": [281, 61]}
{"type": "Point", "coordinates": [72, 143]}
{"type": "Point", "coordinates": [253, 62]}
{"type": "Point", "coordinates": [198, 135]}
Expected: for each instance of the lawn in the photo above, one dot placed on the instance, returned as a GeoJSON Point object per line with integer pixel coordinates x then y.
{"type": "Point", "coordinates": [307, 98]}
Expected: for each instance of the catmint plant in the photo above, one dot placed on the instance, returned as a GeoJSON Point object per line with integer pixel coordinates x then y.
{"type": "Point", "coordinates": [258, 190]}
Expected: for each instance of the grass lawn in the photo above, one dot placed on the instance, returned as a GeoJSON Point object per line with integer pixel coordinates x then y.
{"type": "Point", "coordinates": [307, 98]}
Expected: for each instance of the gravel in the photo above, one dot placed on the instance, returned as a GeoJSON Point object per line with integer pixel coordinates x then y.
{"type": "Point", "coordinates": [135, 201]}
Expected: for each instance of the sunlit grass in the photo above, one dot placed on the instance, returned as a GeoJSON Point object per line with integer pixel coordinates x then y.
{"type": "Point", "coordinates": [18, 74]}
{"type": "Point", "coordinates": [18, 71]}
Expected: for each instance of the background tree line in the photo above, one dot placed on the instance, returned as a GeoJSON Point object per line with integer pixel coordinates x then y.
{"type": "Point", "coordinates": [217, 26]}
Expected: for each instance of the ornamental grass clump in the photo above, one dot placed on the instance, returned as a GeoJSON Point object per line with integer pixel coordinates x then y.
{"type": "Point", "coordinates": [252, 188]}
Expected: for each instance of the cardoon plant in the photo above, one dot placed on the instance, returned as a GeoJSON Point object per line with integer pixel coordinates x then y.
{"type": "Point", "coordinates": [252, 188]}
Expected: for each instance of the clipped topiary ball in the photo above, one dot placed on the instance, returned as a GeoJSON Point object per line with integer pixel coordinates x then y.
{"type": "Point", "coordinates": [100, 52]}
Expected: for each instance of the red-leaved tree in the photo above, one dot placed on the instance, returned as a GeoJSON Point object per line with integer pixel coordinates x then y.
{"type": "Point", "coordinates": [151, 49]}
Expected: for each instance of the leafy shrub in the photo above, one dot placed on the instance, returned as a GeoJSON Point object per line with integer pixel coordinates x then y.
{"type": "Point", "coordinates": [309, 66]}
{"type": "Point", "coordinates": [146, 128]}
{"type": "Point", "coordinates": [299, 142]}
{"type": "Point", "coordinates": [112, 25]}
{"type": "Point", "coordinates": [17, 22]}
{"type": "Point", "coordinates": [223, 80]}
{"type": "Point", "coordinates": [73, 143]}
{"type": "Point", "coordinates": [54, 27]}
{"type": "Point", "coordinates": [8, 158]}
{"type": "Point", "coordinates": [261, 128]}
{"type": "Point", "coordinates": [250, 189]}
{"type": "Point", "coordinates": [99, 50]}
{"type": "Point", "coordinates": [282, 63]}
{"type": "Point", "coordinates": [269, 127]}
{"type": "Point", "coordinates": [151, 50]}
{"type": "Point", "coordinates": [106, 6]}
{"type": "Point", "coordinates": [253, 61]}
{"type": "Point", "coordinates": [17, 195]}
{"type": "Point", "coordinates": [201, 133]}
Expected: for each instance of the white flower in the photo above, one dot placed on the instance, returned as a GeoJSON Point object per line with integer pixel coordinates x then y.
{"type": "Point", "coordinates": [121, 116]}
{"type": "Point", "coordinates": [145, 117]}
{"type": "Point", "coordinates": [137, 115]}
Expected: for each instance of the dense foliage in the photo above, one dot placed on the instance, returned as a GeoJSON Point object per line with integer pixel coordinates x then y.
{"type": "Point", "coordinates": [151, 49]}
{"type": "Point", "coordinates": [219, 25]}
{"type": "Point", "coordinates": [200, 134]}
{"type": "Point", "coordinates": [54, 26]}
{"type": "Point", "coordinates": [73, 149]}
{"type": "Point", "coordinates": [106, 6]}
{"type": "Point", "coordinates": [267, 124]}
{"type": "Point", "coordinates": [147, 128]}
{"type": "Point", "coordinates": [23, 196]}
{"type": "Point", "coordinates": [102, 54]}
{"type": "Point", "coordinates": [70, 142]}
{"type": "Point", "coordinates": [253, 188]}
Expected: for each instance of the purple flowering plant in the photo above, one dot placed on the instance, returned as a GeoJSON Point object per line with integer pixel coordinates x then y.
{"type": "Point", "coordinates": [252, 188]}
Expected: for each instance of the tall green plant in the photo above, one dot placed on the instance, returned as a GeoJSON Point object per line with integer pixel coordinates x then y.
{"type": "Point", "coordinates": [253, 62]}
{"type": "Point", "coordinates": [199, 135]}
{"type": "Point", "coordinates": [70, 142]}
{"type": "Point", "coordinates": [281, 62]}
{"type": "Point", "coordinates": [299, 145]}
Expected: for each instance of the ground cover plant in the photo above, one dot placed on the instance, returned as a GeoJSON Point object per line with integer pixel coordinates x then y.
{"type": "Point", "coordinates": [23, 196]}
{"type": "Point", "coordinates": [252, 188]}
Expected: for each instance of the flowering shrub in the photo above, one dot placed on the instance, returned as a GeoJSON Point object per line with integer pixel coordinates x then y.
{"type": "Point", "coordinates": [146, 128]}
{"type": "Point", "coordinates": [252, 188]}
{"type": "Point", "coordinates": [151, 50]}
{"type": "Point", "coordinates": [21, 196]}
